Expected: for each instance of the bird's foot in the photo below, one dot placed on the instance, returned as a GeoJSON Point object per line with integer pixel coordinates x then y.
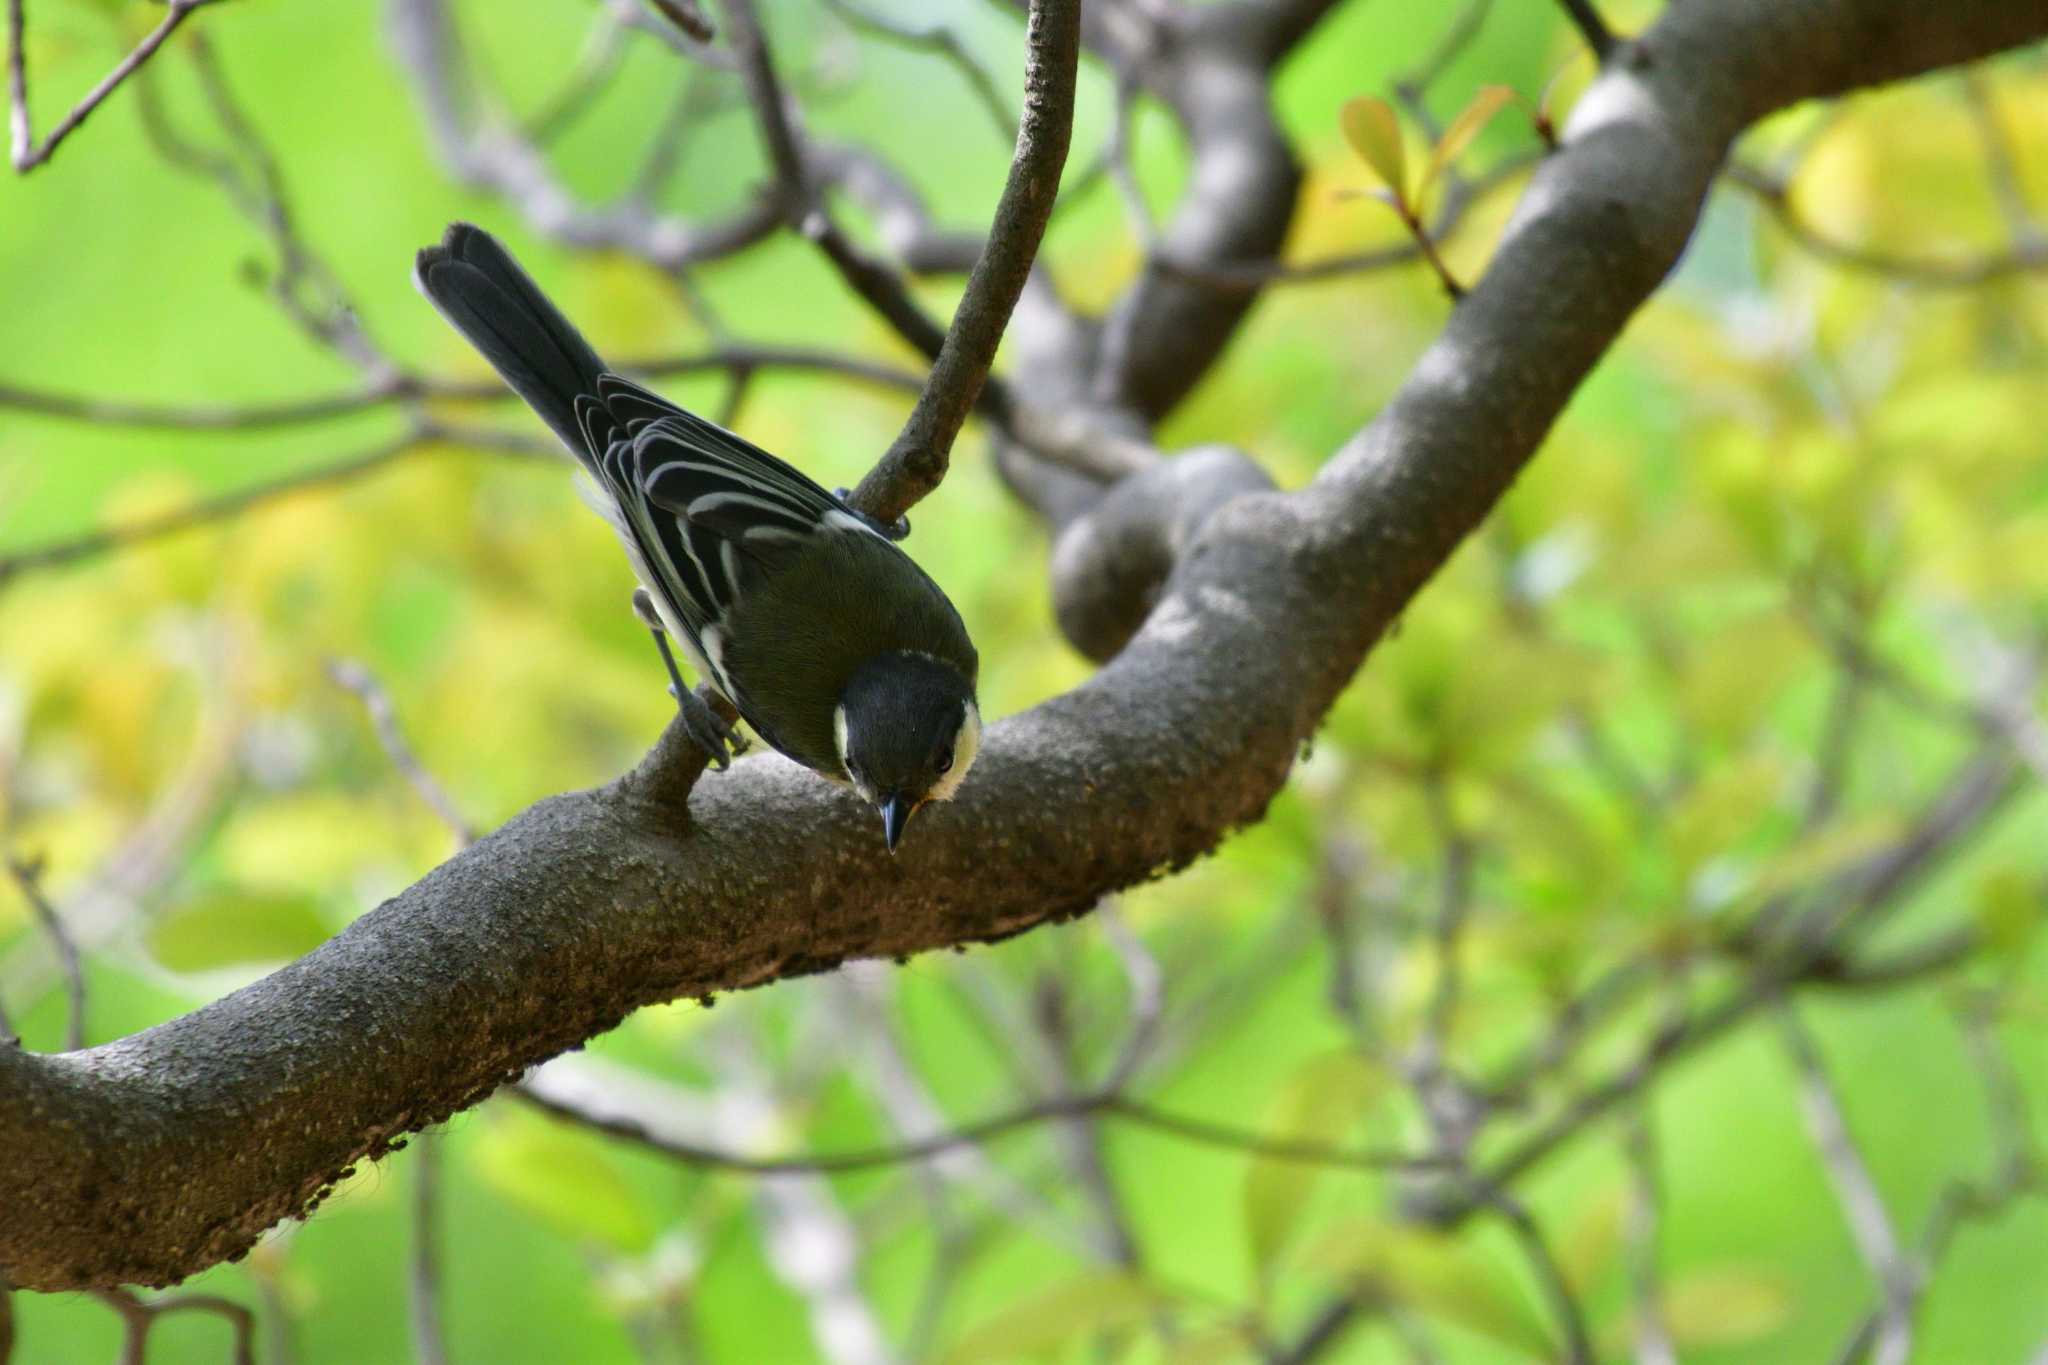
{"type": "Point", "coordinates": [710, 730]}
{"type": "Point", "coordinates": [887, 530]}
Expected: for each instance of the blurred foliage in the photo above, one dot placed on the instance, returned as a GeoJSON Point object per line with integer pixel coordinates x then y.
{"type": "Point", "coordinates": [1601, 730]}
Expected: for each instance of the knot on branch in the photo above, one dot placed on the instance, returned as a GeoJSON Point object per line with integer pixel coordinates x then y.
{"type": "Point", "coordinates": [1109, 564]}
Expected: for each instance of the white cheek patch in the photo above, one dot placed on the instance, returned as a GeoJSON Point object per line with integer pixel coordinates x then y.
{"type": "Point", "coordinates": [966, 744]}
{"type": "Point", "coordinates": [839, 743]}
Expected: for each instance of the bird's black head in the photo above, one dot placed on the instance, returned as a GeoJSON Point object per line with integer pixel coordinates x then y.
{"type": "Point", "coordinates": [908, 730]}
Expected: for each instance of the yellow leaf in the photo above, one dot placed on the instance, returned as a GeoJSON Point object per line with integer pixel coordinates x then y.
{"type": "Point", "coordinates": [1375, 134]}
{"type": "Point", "coordinates": [1467, 125]}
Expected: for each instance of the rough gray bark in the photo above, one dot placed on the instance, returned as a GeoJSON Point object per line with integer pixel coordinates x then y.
{"type": "Point", "coordinates": [152, 1157]}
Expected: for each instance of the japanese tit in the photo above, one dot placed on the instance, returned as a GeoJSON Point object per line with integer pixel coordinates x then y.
{"type": "Point", "coordinates": [831, 642]}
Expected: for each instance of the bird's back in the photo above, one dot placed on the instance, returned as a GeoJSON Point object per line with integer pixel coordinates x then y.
{"type": "Point", "coordinates": [842, 574]}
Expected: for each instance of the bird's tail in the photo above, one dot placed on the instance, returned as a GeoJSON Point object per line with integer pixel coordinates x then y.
{"type": "Point", "coordinates": [481, 290]}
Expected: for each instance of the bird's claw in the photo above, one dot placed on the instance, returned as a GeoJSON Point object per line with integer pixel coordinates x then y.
{"type": "Point", "coordinates": [708, 729]}
{"type": "Point", "coordinates": [887, 530]}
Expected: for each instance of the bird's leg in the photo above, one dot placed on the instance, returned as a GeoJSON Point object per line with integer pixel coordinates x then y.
{"type": "Point", "coordinates": [710, 731]}
{"type": "Point", "coordinates": [887, 530]}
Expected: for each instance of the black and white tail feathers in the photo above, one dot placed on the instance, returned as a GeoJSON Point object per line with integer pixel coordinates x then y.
{"type": "Point", "coordinates": [702, 512]}
{"type": "Point", "coordinates": [480, 289]}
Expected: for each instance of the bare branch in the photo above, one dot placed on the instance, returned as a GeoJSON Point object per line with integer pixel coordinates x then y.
{"type": "Point", "coordinates": [795, 197]}
{"type": "Point", "coordinates": [688, 17]}
{"type": "Point", "coordinates": [26, 153]}
{"type": "Point", "coordinates": [407, 388]}
{"type": "Point", "coordinates": [423, 1285]}
{"type": "Point", "coordinates": [1591, 26]}
{"type": "Point", "coordinates": [1571, 1316]}
{"type": "Point", "coordinates": [615, 1112]}
{"type": "Point", "coordinates": [2001, 160]}
{"type": "Point", "coordinates": [28, 879]}
{"type": "Point", "coordinates": [491, 155]}
{"type": "Point", "coordinates": [226, 506]}
{"type": "Point", "coordinates": [139, 1315]}
{"type": "Point", "coordinates": [1773, 192]}
{"type": "Point", "coordinates": [940, 39]}
{"type": "Point", "coordinates": [353, 676]}
{"type": "Point", "coordinates": [1870, 1223]}
{"type": "Point", "coordinates": [1645, 1212]}
{"type": "Point", "coordinates": [917, 461]}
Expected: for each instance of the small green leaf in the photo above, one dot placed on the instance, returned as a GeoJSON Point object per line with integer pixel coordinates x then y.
{"type": "Point", "coordinates": [1375, 134]}
{"type": "Point", "coordinates": [236, 928]}
{"type": "Point", "coordinates": [1054, 1317]}
{"type": "Point", "coordinates": [1319, 1103]}
{"type": "Point", "coordinates": [566, 1181]}
{"type": "Point", "coordinates": [1471, 120]}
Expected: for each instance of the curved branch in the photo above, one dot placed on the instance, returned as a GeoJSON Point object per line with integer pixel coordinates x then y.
{"type": "Point", "coordinates": [149, 1158]}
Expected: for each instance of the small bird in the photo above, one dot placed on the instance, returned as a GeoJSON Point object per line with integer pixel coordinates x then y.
{"type": "Point", "coordinates": [831, 642]}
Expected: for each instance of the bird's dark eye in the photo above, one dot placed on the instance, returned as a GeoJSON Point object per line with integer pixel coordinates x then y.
{"type": "Point", "coordinates": [945, 763]}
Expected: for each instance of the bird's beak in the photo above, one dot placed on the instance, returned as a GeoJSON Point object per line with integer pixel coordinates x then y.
{"type": "Point", "coordinates": [896, 809]}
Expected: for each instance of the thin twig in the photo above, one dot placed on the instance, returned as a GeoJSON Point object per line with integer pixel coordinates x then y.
{"type": "Point", "coordinates": [917, 461]}
{"type": "Point", "coordinates": [1653, 1342]}
{"type": "Point", "coordinates": [423, 1287]}
{"type": "Point", "coordinates": [1773, 192]}
{"type": "Point", "coordinates": [424, 1284]}
{"type": "Point", "coordinates": [1870, 1223]}
{"type": "Point", "coordinates": [796, 194]}
{"type": "Point", "coordinates": [632, 1128]}
{"type": "Point", "coordinates": [404, 388]}
{"type": "Point", "coordinates": [25, 152]}
{"type": "Point", "coordinates": [2000, 159]}
{"type": "Point", "coordinates": [207, 511]}
{"type": "Point", "coordinates": [2016, 1172]}
{"type": "Point", "coordinates": [28, 877]}
{"type": "Point", "coordinates": [1148, 996]}
{"type": "Point", "coordinates": [688, 18]}
{"type": "Point", "coordinates": [353, 676]}
{"type": "Point", "coordinates": [1550, 1276]}
{"type": "Point", "coordinates": [595, 67]}
{"type": "Point", "coordinates": [1591, 26]}
{"type": "Point", "coordinates": [940, 39]}
{"type": "Point", "coordinates": [138, 1315]}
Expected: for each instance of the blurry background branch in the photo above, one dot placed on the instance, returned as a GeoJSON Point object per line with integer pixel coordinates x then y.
{"type": "Point", "coordinates": [23, 149]}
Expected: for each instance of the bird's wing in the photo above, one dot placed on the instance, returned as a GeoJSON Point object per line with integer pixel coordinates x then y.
{"type": "Point", "coordinates": [706, 511]}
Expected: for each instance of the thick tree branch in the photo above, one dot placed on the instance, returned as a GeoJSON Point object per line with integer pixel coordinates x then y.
{"type": "Point", "coordinates": [154, 1156]}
